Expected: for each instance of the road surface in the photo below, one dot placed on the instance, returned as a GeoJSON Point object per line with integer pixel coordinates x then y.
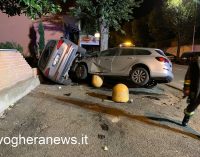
{"type": "Point", "coordinates": [147, 126]}
{"type": "Point", "coordinates": [179, 74]}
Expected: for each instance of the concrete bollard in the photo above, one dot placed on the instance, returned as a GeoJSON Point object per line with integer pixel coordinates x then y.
{"type": "Point", "coordinates": [120, 93]}
{"type": "Point", "coordinates": [97, 81]}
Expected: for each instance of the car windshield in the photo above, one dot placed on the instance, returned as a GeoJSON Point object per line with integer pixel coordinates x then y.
{"type": "Point", "coordinates": [168, 54]}
{"type": "Point", "coordinates": [47, 53]}
{"type": "Point", "coordinates": [92, 53]}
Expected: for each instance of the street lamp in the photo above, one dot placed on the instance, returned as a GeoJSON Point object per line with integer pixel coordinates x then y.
{"type": "Point", "coordinates": [97, 35]}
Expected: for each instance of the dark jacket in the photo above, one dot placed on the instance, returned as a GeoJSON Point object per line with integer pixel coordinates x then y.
{"type": "Point", "coordinates": [192, 79]}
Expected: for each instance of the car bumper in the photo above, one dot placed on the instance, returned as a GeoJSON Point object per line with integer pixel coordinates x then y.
{"type": "Point", "coordinates": [165, 77]}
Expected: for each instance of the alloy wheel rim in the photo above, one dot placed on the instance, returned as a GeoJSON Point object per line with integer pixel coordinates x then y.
{"type": "Point", "coordinates": [80, 71]}
{"type": "Point", "coordinates": [139, 76]}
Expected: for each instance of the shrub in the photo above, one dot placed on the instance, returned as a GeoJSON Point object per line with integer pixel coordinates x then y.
{"type": "Point", "coordinates": [41, 39]}
{"type": "Point", "coordinates": [11, 45]}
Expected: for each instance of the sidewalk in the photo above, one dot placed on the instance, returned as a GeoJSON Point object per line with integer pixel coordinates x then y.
{"type": "Point", "coordinates": [14, 93]}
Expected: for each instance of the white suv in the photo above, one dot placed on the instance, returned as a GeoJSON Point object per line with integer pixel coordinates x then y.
{"type": "Point", "coordinates": [144, 66]}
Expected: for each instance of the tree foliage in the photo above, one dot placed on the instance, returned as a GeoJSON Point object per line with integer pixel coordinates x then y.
{"type": "Point", "coordinates": [41, 39]}
{"type": "Point", "coordinates": [31, 8]}
{"type": "Point", "coordinates": [140, 31]}
{"type": "Point", "coordinates": [108, 13]}
{"type": "Point", "coordinates": [11, 45]}
{"type": "Point", "coordinates": [158, 29]}
{"type": "Point", "coordinates": [113, 12]}
{"type": "Point", "coordinates": [180, 15]}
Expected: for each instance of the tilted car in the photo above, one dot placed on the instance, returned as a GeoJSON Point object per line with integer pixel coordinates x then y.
{"type": "Point", "coordinates": [144, 66]}
{"type": "Point", "coordinates": [57, 58]}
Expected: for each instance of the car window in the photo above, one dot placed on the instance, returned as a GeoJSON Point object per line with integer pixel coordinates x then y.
{"type": "Point", "coordinates": [141, 52]}
{"type": "Point", "coordinates": [160, 52]}
{"type": "Point", "coordinates": [109, 52]}
{"type": "Point", "coordinates": [47, 53]}
{"type": "Point", "coordinates": [186, 55]}
{"type": "Point", "coordinates": [126, 52]}
{"type": "Point", "coordinates": [91, 53]}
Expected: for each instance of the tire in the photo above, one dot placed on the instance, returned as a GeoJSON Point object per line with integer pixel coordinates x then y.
{"type": "Point", "coordinates": [81, 72]}
{"type": "Point", "coordinates": [139, 76]}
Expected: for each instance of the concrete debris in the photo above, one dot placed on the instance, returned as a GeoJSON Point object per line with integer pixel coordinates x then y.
{"type": "Point", "coordinates": [68, 94]}
{"type": "Point", "coordinates": [2, 116]}
{"type": "Point", "coordinates": [101, 136]}
{"type": "Point", "coordinates": [106, 100]}
{"type": "Point", "coordinates": [130, 101]}
{"type": "Point", "coordinates": [115, 119]}
{"type": "Point", "coordinates": [105, 148]}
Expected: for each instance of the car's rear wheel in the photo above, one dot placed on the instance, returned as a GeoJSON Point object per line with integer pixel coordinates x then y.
{"type": "Point", "coordinates": [139, 76]}
{"type": "Point", "coordinates": [81, 72]}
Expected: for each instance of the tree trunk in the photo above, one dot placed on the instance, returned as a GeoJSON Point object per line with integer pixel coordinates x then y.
{"type": "Point", "coordinates": [104, 31]}
{"type": "Point", "coordinates": [178, 45]}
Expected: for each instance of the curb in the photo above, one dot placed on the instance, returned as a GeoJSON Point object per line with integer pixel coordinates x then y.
{"type": "Point", "coordinates": [175, 87]}
{"type": "Point", "coordinates": [12, 94]}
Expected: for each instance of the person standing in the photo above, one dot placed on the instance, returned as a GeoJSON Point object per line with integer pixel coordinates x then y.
{"type": "Point", "coordinates": [191, 88]}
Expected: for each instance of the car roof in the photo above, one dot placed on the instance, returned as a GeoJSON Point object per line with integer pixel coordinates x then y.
{"type": "Point", "coordinates": [154, 51]}
{"type": "Point", "coordinates": [144, 48]}
{"type": "Point", "coordinates": [188, 54]}
{"type": "Point", "coordinates": [133, 47]}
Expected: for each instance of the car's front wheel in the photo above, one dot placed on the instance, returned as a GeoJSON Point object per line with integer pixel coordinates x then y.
{"type": "Point", "coordinates": [81, 72]}
{"type": "Point", "coordinates": [139, 76]}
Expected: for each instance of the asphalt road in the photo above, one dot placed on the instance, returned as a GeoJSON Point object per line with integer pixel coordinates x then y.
{"type": "Point", "coordinates": [179, 74]}
{"type": "Point", "coordinates": [149, 125]}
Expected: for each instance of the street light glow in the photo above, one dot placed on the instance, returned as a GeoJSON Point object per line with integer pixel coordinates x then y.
{"type": "Point", "coordinates": [175, 3]}
{"type": "Point", "coordinates": [97, 35]}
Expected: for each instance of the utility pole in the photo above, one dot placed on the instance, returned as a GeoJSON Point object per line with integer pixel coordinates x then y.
{"type": "Point", "coordinates": [194, 29]}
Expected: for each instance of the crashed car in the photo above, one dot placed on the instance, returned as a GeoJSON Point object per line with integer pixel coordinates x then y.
{"type": "Point", "coordinates": [144, 66]}
{"type": "Point", "coordinates": [57, 58]}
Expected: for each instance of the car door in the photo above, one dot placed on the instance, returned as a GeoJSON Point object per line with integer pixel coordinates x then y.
{"type": "Point", "coordinates": [105, 60]}
{"type": "Point", "coordinates": [123, 61]}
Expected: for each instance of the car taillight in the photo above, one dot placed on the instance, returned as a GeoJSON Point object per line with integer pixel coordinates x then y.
{"type": "Point", "coordinates": [60, 42]}
{"type": "Point", "coordinates": [46, 73]}
{"type": "Point", "coordinates": [162, 59]}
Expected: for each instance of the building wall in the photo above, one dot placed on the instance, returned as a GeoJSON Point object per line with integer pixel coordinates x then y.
{"type": "Point", "coordinates": [17, 29]}
{"type": "Point", "coordinates": [13, 69]}
{"type": "Point", "coordinates": [185, 48]}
